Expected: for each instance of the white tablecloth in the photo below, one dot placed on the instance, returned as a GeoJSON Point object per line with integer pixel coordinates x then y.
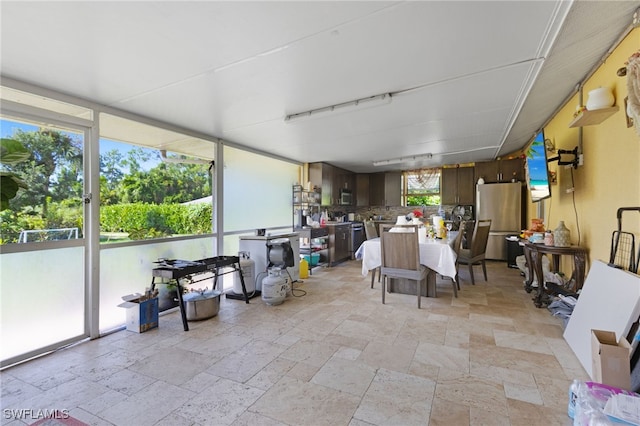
{"type": "Point", "coordinates": [434, 254]}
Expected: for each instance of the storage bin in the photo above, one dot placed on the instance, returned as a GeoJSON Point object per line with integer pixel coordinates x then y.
{"type": "Point", "coordinates": [313, 260]}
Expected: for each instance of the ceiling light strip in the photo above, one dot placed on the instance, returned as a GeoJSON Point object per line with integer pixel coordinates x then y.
{"type": "Point", "coordinates": [403, 159]}
{"type": "Point", "coordinates": [428, 156]}
{"type": "Point", "coordinates": [369, 101]}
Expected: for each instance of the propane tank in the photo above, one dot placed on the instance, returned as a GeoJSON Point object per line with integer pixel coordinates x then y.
{"type": "Point", "coordinates": [248, 266]}
{"type": "Point", "coordinates": [288, 286]}
{"type": "Point", "coordinates": [274, 287]}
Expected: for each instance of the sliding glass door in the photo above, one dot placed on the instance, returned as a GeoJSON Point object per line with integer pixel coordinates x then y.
{"type": "Point", "coordinates": [43, 287]}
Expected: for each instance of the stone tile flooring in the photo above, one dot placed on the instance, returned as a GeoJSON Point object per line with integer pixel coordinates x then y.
{"type": "Point", "coordinates": [333, 356]}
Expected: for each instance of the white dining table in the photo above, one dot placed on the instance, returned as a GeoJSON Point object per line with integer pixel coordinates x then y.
{"type": "Point", "coordinates": [435, 254]}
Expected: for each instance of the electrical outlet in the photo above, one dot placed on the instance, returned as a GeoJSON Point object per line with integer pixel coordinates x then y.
{"type": "Point", "coordinates": [581, 160]}
{"type": "Point", "coordinates": [570, 190]}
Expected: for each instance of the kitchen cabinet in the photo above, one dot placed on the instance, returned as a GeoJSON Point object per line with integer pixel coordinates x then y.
{"type": "Point", "coordinates": [500, 170]}
{"type": "Point", "coordinates": [385, 189]}
{"type": "Point", "coordinates": [458, 186]}
{"type": "Point", "coordinates": [342, 179]}
{"type": "Point", "coordinates": [321, 176]}
{"type": "Point", "coordinates": [332, 180]}
{"type": "Point", "coordinates": [362, 189]}
{"type": "Point", "coordinates": [339, 243]}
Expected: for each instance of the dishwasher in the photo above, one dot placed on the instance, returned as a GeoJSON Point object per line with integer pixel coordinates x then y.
{"type": "Point", "coordinates": [357, 237]}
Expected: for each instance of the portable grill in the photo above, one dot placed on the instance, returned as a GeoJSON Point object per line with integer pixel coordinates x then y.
{"type": "Point", "coordinates": [177, 270]}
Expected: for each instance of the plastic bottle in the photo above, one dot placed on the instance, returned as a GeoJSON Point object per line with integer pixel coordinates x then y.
{"type": "Point", "coordinates": [573, 397]}
{"type": "Point", "coordinates": [304, 269]}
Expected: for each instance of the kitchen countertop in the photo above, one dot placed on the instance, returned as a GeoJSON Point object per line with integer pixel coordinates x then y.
{"type": "Point", "coordinates": [269, 236]}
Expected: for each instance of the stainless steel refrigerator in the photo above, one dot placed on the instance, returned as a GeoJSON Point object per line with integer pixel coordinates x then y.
{"type": "Point", "coordinates": [502, 203]}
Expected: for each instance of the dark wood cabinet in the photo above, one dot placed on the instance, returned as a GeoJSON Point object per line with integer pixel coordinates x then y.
{"type": "Point", "coordinates": [500, 170]}
{"type": "Point", "coordinates": [489, 171]}
{"type": "Point", "coordinates": [362, 190]}
{"type": "Point", "coordinates": [512, 169]}
{"type": "Point", "coordinates": [339, 243]}
{"type": "Point", "coordinates": [342, 179]}
{"type": "Point", "coordinates": [321, 176]}
{"type": "Point", "coordinates": [331, 180]}
{"type": "Point", "coordinates": [458, 186]}
{"type": "Point", "coordinates": [369, 189]}
{"type": "Point", "coordinates": [385, 189]}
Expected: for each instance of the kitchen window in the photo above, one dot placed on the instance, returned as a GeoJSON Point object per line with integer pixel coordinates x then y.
{"type": "Point", "coordinates": [421, 187]}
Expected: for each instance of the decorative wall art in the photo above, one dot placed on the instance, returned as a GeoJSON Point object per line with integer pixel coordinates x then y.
{"type": "Point", "coordinates": [633, 88]}
{"type": "Point", "coordinates": [626, 112]}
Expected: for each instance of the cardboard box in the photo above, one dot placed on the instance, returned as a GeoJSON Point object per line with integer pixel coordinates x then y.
{"type": "Point", "coordinates": [611, 363]}
{"type": "Point", "coordinates": [142, 312]}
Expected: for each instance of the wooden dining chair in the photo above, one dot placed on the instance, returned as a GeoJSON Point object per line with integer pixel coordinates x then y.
{"type": "Point", "coordinates": [456, 245]}
{"type": "Point", "coordinates": [370, 230]}
{"type": "Point", "coordinates": [475, 254]}
{"type": "Point", "coordinates": [467, 227]}
{"type": "Point", "coordinates": [400, 254]}
{"type": "Point", "coordinates": [371, 233]}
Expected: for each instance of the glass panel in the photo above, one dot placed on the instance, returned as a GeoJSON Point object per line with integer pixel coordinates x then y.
{"type": "Point", "coordinates": [257, 191]}
{"type": "Point", "coordinates": [422, 187]}
{"type": "Point", "coordinates": [48, 204]}
{"type": "Point", "coordinates": [126, 270]}
{"type": "Point", "coordinates": [43, 282]}
{"type": "Point", "coordinates": [257, 194]}
{"type": "Point", "coordinates": [147, 193]}
{"type": "Point", "coordinates": [41, 299]}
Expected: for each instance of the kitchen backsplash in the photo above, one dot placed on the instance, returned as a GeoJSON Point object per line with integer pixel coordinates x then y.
{"type": "Point", "coordinates": [388, 213]}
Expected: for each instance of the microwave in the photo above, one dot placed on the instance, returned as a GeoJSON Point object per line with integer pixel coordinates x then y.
{"type": "Point", "coordinates": [346, 197]}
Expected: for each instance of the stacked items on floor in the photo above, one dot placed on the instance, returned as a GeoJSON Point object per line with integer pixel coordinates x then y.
{"type": "Point", "coordinates": [592, 403]}
{"type": "Point", "coordinates": [603, 333]}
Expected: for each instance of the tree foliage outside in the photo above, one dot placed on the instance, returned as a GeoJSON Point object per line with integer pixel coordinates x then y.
{"type": "Point", "coordinates": [11, 152]}
{"type": "Point", "coordinates": [53, 171]}
{"type": "Point", "coordinates": [137, 199]}
{"type": "Point", "coordinates": [423, 200]}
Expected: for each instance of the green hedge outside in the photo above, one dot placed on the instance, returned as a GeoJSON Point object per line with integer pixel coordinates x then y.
{"type": "Point", "coordinates": [157, 219]}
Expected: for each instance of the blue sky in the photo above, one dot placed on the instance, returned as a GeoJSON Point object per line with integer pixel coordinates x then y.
{"type": "Point", "coordinates": [538, 164]}
{"type": "Point", "coordinates": [8, 129]}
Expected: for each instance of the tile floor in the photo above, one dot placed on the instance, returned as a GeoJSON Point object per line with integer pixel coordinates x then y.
{"type": "Point", "coordinates": [335, 356]}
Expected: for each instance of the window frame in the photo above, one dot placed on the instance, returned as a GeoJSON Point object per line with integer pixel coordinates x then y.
{"type": "Point", "coordinates": [405, 185]}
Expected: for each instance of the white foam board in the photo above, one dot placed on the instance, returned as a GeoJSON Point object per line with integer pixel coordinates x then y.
{"type": "Point", "coordinates": [610, 300]}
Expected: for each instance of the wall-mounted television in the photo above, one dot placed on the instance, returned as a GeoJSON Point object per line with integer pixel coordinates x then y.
{"type": "Point", "coordinates": [537, 168]}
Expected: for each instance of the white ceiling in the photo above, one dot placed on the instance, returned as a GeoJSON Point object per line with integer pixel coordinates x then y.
{"type": "Point", "coordinates": [470, 81]}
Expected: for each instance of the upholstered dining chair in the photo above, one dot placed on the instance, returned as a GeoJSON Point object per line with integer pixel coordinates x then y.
{"type": "Point", "coordinates": [400, 254]}
{"type": "Point", "coordinates": [371, 233]}
{"type": "Point", "coordinates": [475, 254]}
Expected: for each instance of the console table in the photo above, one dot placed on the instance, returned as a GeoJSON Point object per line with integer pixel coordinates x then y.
{"type": "Point", "coordinates": [533, 255]}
